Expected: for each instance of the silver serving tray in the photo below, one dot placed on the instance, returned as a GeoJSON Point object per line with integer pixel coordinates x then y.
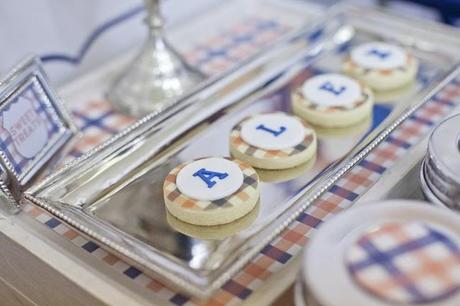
{"type": "Point", "coordinates": [114, 193]}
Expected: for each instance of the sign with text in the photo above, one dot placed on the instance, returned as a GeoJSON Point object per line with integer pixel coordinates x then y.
{"type": "Point", "coordinates": [33, 124]}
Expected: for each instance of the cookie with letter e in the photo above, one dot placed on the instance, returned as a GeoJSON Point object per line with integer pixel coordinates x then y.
{"type": "Point", "coordinates": [273, 141]}
{"type": "Point", "coordinates": [332, 100]}
{"type": "Point", "coordinates": [211, 191]}
{"type": "Point", "coordinates": [381, 66]}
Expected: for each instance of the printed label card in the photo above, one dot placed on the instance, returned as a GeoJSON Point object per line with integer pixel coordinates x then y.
{"type": "Point", "coordinates": [33, 123]}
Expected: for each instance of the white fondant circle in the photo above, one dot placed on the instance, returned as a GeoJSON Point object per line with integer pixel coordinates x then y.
{"type": "Point", "coordinates": [293, 134]}
{"type": "Point", "coordinates": [363, 56]}
{"type": "Point", "coordinates": [195, 188]}
{"type": "Point", "coordinates": [350, 91]}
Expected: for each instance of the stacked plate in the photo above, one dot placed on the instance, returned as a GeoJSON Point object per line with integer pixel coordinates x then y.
{"type": "Point", "coordinates": [440, 172]}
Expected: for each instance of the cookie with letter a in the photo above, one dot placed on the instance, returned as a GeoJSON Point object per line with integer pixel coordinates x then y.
{"type": "Point", "coordinates": [273, 141]}
{"type": "Point", "coordinates": [211, 191]}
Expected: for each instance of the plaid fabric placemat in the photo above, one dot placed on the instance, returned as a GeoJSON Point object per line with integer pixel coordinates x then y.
{"type": "Point", "coordinates": [290, 242]}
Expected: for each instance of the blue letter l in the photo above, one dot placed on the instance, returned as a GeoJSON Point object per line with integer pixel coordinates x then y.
{"type": "Point", "coordinates": [266, 129]}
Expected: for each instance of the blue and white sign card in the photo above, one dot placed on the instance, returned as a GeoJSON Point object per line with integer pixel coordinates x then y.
{"type": "Point", "coordinates": [33, 123]}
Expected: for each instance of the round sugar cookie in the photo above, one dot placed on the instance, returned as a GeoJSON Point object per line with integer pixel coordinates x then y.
{"type": "Point", "coordinates": [211, 191]}
{"type": "Point", "coordinates": [272, 141]}
{"type": "Point", "coordinates": [332, 100]}
{"type": "Point", "coordinates": [213, 232]}
{"type": "Point", "coordinates": [381, 66]}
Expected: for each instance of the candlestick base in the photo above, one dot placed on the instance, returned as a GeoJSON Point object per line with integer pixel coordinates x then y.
{"type": "Point", "coordinates": [156, 75]}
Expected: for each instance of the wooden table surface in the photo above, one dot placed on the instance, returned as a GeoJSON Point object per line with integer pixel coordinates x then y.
{"type": "Point", "coordinates": [286, 299]}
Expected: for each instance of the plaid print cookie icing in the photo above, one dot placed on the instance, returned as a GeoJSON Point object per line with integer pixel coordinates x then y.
{"type": "Point", "coordinates": [381, 66]}
{"type": "Point", "coordinates": [273, 141]}
{"type": "Point", "coordinates": [211, 191]}
{"type": "Point", "coordinates": [332, 100]}
{"type": "Point", "coordinates": [406, 263]}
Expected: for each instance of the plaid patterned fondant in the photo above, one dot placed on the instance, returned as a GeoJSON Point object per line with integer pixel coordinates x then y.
{"type": "Point", "coordinates": [28, 117]}
{"type": "Point", "coordinates": [238, 144]}
{"type": "Point", "coordinates": [248, 190]}
{"type": "Point", "coordinates": [406, 263]}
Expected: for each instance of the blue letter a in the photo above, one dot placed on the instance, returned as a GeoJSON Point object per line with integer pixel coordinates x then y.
{"type": "Point", "coordinates": [207, 176]}
{"type": "Point", "coordinates": [328, 86]}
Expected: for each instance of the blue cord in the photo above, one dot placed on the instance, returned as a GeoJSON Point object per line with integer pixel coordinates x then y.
{"type": "Point", "coordinates": [75, 60]}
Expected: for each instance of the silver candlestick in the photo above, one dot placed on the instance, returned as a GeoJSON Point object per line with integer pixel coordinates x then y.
{"type": "Point", "coordinates": [157, 74]}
